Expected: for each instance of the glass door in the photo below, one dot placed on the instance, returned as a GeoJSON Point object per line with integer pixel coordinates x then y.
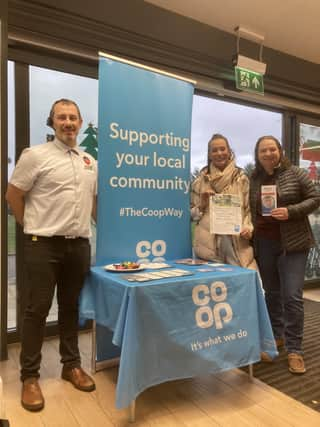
{"type": "Point", "coordinates": [31, 92]}
{"type": "Point", "coordinates": [47, 86]}
{"type": "Point", "coordinates": [309, 160]}
{"type": "Point", "coordinates": [12, 289]}
{"type": "Point", "coordinates": [241, 124]}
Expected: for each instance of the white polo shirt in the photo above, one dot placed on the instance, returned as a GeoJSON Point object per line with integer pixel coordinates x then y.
{"type": "Point", "coordinates": [60, 183]}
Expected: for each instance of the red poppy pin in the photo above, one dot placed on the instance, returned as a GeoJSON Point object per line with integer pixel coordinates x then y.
{"type": "Point", "coordinates": [86, 160]}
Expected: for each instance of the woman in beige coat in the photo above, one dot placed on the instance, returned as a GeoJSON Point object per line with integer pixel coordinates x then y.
{"type": "Point", "coordinates": [221, 175]}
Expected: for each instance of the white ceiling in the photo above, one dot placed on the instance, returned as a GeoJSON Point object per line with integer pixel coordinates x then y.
{"type": "Point", "coordinates": [290, 26]}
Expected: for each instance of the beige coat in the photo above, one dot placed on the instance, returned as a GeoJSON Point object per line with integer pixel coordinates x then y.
{"type": "Point", "coordinates": [205, 244]}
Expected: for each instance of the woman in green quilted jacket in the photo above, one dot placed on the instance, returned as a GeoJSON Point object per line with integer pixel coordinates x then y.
{"type": "Point", "coordinates": [282, 239]}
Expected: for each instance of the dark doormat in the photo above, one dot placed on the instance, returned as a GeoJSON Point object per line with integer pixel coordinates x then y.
{"type": "Point", "coordinates": [306, 387]}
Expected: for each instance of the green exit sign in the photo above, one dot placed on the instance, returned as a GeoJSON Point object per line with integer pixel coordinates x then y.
{"type": "Point", "coordinates": [248, 80]}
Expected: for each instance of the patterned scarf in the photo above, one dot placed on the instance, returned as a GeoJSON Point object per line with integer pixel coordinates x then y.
{"type": "Point", "coordinates": [219, 180]}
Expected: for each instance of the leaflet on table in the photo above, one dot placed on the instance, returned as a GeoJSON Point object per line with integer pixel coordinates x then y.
{"type": "Point", "coordinates": [155, 275]}
{"type": "Point", "coordinates": [212, 269]}
{"type": "Point", "coordinates": [190, 261]}
{"type": "Point", "coordinates": [268, 199]}
{"type": "Point", "coordinates": [155, 265]}
{"type": "Point", "coordinates": [225, 214]}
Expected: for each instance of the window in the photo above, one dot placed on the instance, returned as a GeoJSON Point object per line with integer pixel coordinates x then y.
{"type": "Point", "coordinates": [11, 221]}
{"type": "Point", "coordinates": [46, 87]}
{"type": "Point", "coordinates": [241, 125]}
{"type": "Point", "coordinates": [310, 162]}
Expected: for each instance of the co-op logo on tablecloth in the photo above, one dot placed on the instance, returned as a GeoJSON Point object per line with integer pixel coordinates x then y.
{"type": "Point", "coordinates": [213, 310]}
{"type": "Point", "coordinates": [155, 249]}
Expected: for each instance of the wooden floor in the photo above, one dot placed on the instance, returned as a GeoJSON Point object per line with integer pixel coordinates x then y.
{"type": "Point", "coordinates": [227, 399]}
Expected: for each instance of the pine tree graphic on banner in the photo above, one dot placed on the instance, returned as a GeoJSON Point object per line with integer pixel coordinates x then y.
{"type": "Point", "coordinates": [90, 143]}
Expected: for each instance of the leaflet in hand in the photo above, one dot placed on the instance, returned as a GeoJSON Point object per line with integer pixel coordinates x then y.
{"type": "Point", "coordinates": [225, 214]}
{"type": "Point", "coordinates": [268, 199]}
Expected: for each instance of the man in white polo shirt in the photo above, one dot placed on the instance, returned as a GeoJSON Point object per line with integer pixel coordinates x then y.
{"type": "Point", "coordinates": [52, 194]}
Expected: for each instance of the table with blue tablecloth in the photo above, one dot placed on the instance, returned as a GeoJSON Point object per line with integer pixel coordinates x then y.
{"type": "Point", "coordinates": [211, 321]}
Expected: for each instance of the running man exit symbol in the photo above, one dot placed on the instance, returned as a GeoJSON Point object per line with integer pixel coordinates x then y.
{"type": "Point", "coordinates": [249, 81]}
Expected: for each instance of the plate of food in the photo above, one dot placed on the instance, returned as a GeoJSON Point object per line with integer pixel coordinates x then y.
{"type": "Point", "coordinates": [124, 267]}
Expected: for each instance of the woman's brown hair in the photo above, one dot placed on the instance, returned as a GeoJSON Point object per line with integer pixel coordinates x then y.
{"type": "Point", "coordinates": [284, 161]}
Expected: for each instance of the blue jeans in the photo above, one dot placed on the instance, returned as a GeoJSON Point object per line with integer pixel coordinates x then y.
{"type": "Point", "coordinates": [282, 275]}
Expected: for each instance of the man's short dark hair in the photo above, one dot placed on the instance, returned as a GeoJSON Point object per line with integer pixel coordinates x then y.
{"type": "Point", "coordinates": [62, 101]}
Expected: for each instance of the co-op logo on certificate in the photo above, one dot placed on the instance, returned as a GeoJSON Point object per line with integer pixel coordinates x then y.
{"type": "Point", "coordinates": [155, 249]}
{"type": "Point", "coordinates": [213, 310]}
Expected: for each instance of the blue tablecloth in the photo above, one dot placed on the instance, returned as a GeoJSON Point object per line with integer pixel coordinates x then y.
{"type": "Point", "coordinates": [179, 327]}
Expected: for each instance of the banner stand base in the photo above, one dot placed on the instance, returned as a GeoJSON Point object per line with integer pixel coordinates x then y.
{"type": "Point", "coordinates": [105, 364]}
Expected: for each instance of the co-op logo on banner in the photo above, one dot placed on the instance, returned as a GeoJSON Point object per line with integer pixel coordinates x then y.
{"type": "Point", "coordinates": [213, 310]}
{"type": "Point", "coordinates": [151, 251]}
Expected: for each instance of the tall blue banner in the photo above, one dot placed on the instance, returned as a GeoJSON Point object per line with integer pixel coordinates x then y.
{"type": "Point", "coordinates": [144, 164]}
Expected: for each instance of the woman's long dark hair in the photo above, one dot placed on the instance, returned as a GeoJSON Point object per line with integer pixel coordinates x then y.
{"type": "Point", "coordinates": [214, 137]}
{"type": "Point", "coordinates": [284, 161]}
